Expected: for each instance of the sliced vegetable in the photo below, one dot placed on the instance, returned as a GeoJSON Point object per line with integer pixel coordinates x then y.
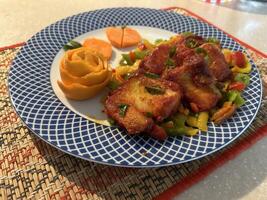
{"type": "Point", "coordinates": [114, 35]}
{"type": "Point", "coordinates": [192, 121]}
{"type": "Point", "coordinates": [129, 59]}
{"type": "Point", "coordinates": [72, 45]}
{"type": "Point", "coordinates": [191, 43]}
{"type": "Point", "coordinates": [169, 63]}
{"type": "Point", "coordinates": [202, 121]}
{"type": "Point", "coordinates": [213, 40]}
{"type": "Point", "coordinates": [239, 86]}
{"type": "Point", "coordinates": [199, 121]}
{"type": "Point", "coordinates": [140, 54]}
{"type": "Point", "coordinates": [148, 45]}
{"type": "Point", "coordinates": [239, 101]}
{"type": "Point", "coordinates": [237, 69]}
{"type": "Point", "coordinates": [172, 51]}
{"type": "Point", "coordinates": [223, 113]}
{"type": "Point", "coordinates": [126, 59]}
{"type": "Point", "coordinates": [124, 72]}
{"type": "Point", "coordinates": [158, 41]}
{"type": "Point", "coordinates": [149, 114]}
{"type": "Point", "coordinates": [111, 121]}
{"type": "Point", "coordinates": [141, 46]}
{"type": "Point", "coordinates": [231, 95]}
{"type": "Point", "coordinates": [155, 90]}
{"type": "Point", "coordinates": [113, 85]}
{"type": "Point", "coordinates": [127, 76]}
{"type": "Point", "coordinates": [244, 78]}
{"type": "Point", "coordinates": [130, 37]}
{"type": "Point", "coordinates": [239, 59]}
{"type": "Point", "coordinates": [167, 125]}
{"type": "Point", "coordinates": [177, 126]}
{"type": "Point", "coordinates": [152, 75]}
{"type": "Point", "coordinates": [236, 98]}
{"type": "Point", "coordinates": [123, 109]}
{"type": "Point", "coordinates": [227, 55]}
{"type": "Point", "coordinates": [132, 56]}
{"type": "Point", "coordinates": [201, 51]}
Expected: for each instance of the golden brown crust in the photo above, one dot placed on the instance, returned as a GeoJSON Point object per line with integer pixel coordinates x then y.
{"type": "Point", "coordinates": [141, 103]}
{"type": "Point", "coordinates": [217, 64]}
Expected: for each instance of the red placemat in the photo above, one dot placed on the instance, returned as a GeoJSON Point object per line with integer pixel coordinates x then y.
{"type": "Point", "coordinates": [30, 168]}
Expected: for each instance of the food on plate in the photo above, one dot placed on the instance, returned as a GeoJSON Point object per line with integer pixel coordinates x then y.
{"type": "Point", "coordinates": [114, 35]}
{"type": "Point", "coordinates": [141, 102]}
{"type": "Point", "coordinates": [130, 37]}
{"type": "Point", "coordinates": [122, 37]}
{"type": "Point", "coordinates": [238, 61]}
{"type": "Point", "coordinates": [99, 46]}
{"type": "Point", "coordinates": [72, 45]}
{"type": "Point", "coordinates": [124, 72]}
{"type": "Point", "coordinates": [217, 64]}
{"type": "Point", "coordinates": [176, 86]}
{"type": "Point", "coordinates": [167, 87]}
{"type": "Point", "coordinates": [84, 73]}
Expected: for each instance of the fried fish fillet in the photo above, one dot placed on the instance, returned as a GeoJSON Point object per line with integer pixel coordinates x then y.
{"type": "Point", "coordinates": [217, 64]}
{"type": "Point", "coordinates": [155, 62]}
{"type": "Point", "coordinates": [147, 100]}
{"type": "Point", "coordinates": [200, 98]}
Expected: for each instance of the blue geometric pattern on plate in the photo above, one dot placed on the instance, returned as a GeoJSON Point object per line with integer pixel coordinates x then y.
{"type": "Point", "coordinates": [37, 105]}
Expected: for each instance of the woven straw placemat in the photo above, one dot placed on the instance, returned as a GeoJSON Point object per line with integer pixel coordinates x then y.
{"type": "Point", "coordinates": [32, 169]}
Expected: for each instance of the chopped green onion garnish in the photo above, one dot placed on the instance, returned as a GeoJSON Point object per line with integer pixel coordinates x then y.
{"type": "Point", "coordinates": [154, 90]}
{"type": "Point", "coordinates": [123, 109]}
{"type": "Point", "coordinates": [201, 51]}
{"type": "Point", "coordinates": [191, 43]}
{"type": "Point", "coordinates": [113, 85]}
{"type": "Point", "coordinates": [111, 121]}
{"type": "Point", "coordinates": [149, 114]}
{"type": "Point", "coordinates": [140, 54]}
{"type": "Point", "coordinates": [72, 45]}
{"type": "Point", "coordinates": [127, 59]}
{"type": "Point", "coordinates": [170, 63]}
{"type": "Point", "coordinates": [152, 75]}
{"type": "Point", "coordinates": [75, 44]}
{"type": "Point", "coordinates": [172, 51]}
{"type": "Point", "coordinates": [157, 41]}
{"type": "Point", "coordinates": [127, 76]}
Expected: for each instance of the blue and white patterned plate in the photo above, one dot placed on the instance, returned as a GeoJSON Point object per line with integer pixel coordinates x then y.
{"type": "Point", "coordinates": [38, 106]}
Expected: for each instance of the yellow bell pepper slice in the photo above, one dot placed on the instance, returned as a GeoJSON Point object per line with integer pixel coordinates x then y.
{"type": "Point", "coordinates": [202, 121]}
{"type": "Point", "coordinates": [246, 70]}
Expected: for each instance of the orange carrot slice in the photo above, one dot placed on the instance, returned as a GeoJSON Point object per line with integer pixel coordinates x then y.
{"type": "Point", "coordinates": [130, 37]}
{"type": "Point", "coordinates": [122, 37]}
{"type": "Point", "coordinates": [114, 35]}
{"type": "Point", "coordinates": [100, 46]}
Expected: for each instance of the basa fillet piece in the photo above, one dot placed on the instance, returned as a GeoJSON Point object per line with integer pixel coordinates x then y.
{"type": "Point", "coordinates": [217, 64]}
{"type": "Point", "coordinates": [143, 106]}
{"type": "Point", "coordinates": [155, 62]}
{"type": "Point", "coordinates": [200, 98]}
{"type": "Point", "coordinates": [193, 75]}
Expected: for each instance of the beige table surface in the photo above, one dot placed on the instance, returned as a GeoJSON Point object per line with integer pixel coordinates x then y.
{"type": "Point", "coordinates": [243, 178]}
